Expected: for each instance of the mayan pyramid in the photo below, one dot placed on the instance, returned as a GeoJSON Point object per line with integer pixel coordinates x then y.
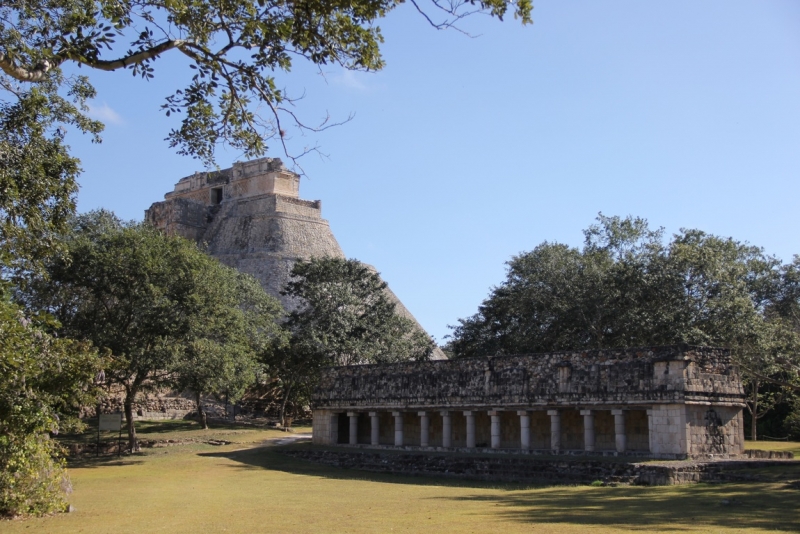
{"type": "Point", "coordinates": [251, 217]}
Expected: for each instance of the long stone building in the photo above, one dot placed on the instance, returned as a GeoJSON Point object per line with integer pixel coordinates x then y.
{"type": "Point", "coordinates": [251, 217]}
{"type": "Point", "coordinates": [667, 402]}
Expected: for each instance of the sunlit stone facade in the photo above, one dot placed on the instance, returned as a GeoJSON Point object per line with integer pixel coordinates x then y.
{"type": "Point", "coordinates": [665, 402]}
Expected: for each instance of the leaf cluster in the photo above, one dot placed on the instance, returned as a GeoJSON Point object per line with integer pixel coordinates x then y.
{"type": "Point", "coordinates": [235, 48]}
{"type": "Point", "coordinates": [346, 316]}
{"type": "Point", "coordinates": [37, 174]}
{"type": "Point", "coordinates": [238, 327]}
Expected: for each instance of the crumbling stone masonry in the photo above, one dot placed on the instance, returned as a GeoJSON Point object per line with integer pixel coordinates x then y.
{"type": "Point", "coordinates": [250, 217]}
{"type": "Point", "coordinates": [666, 402]}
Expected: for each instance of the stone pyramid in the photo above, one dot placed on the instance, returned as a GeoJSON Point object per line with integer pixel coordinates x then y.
{"type": "Point", "coordinates": [251, 217]}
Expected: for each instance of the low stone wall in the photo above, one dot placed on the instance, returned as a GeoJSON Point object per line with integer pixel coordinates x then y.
{"type": "Point", "coordinates": [539, 470]}
{"type": "Point", "coordinates": [156, 406]}
{"type": "Point", "coordinates": [772, 455]}
{"type": "Point", "coordinates": [162, 406]}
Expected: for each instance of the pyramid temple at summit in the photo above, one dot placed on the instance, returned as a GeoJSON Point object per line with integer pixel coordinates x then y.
{"type": "Point", "coordinates": [251, 217]}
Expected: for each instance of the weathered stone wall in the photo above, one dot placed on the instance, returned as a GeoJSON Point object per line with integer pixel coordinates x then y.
{"type": "Point", "coordinates": [671, 402]}
{"type": "Point", "coordinates": [152, 406]}
{"type": "Point", "coordinates": [715, 430]}
{"type": "Point", "coordinates": [617, 377]}
{"type": "Point", "coordinates": [181, 217]}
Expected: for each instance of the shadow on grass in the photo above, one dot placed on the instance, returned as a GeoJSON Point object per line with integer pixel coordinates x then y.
{"type": "Point", "coordinates": [104, 460]}
{"type": "Point", "coordinates": [162, 427]}
{"type": "Point", "coordinates": [769, 506]}
{"type": "Point", "coordinates": [270, 458]}
{"type": "Point", "coordinates": [678, 508]}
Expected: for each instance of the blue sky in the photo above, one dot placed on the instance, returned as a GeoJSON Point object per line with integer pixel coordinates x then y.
{"type": "Point", "coordinates": [466, 151]}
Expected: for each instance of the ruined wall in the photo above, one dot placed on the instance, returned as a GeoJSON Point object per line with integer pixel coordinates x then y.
{"type": "Point", "coordinates": [608, 377]}
{"type": "Point", "coordinates": [714, 430]}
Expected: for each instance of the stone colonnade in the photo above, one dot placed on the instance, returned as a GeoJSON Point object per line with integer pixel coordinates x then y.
{"type": "Point", "coordinates": [470, 428]}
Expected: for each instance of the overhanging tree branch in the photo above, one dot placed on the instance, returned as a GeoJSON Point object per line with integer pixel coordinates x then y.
{"type": "Point", "coordinates": [39, 72]}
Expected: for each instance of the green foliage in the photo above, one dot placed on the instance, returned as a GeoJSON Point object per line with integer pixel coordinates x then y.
{"type": "Point", "coordinates": [150, 301]}
{"type": "Point", "coordinates": [37, 174]}
{"type": "Point", "coordinates": [791, 424]}
{"type": "Point", "coordinates": [33, 480]}
{"type": "Point", "coordinates": [43, 380]}
{"type": "Point", "coordinates": [237, 326]}
{"type": "Point", "coordinates": [43, 383]}
{"type": "Point", "coordinates": [234, 47]}
{"type": "Point", "coordinates": [627, 288]}
{"type": "Point", "coordinates": [344, 317]}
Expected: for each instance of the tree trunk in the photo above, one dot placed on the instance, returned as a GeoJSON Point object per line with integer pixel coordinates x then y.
{"type": "Point", "coordinates": [283, 406]}
{"type": "Point", "coordinates": [133, 443]}
{"type": "Point", "coordinates": [201, 414]}
{"type": "Point", "coordinates": [754, 414]}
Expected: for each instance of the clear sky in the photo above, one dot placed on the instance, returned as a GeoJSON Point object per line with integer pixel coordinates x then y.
{"type": "Point", "coordinates": [466, 151]}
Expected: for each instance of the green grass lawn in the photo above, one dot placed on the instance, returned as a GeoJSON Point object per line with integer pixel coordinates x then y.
{"type": "Point", "coordinates": [243, 487]}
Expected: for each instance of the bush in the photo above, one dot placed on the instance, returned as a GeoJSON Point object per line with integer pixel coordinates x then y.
{"type": "Point", "coordinates": [791, 425]}
{"type": "Point", "coordinates": [32, 480]}
{"type": "Point", "coordinates": [43, 382]}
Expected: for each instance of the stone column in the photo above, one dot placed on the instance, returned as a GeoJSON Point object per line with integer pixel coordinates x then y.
{"type": "Point", "coordinates": [374, 435]}
{"type": "Point", "coordinates": [353, 427]}
{"type": "Point", "coordinates": [398, 429]}
{"type": "Point", "coordinates": [588, 430]}
{"type": "Point", "coordinates": [334, 428]}
{"type": "Point", "coordinates": [650, 430]}
{"type": "Point", "coordinates": [470, 429]}
{"type": "Point", "coordinates": [424, 429]}
{"type": "Point", "coordinates": [447, 429]}
{"type": "Point", "coordinates": [555, 430]}
{"type": "Point", "coordinates": [524, 430]}
{"type": "Point", "coordinates": [619, 429]}
{"type": "Point", "coordinates": [495, 415]}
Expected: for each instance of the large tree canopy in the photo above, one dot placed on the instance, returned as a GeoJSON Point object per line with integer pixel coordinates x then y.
{"type": "Point", "coordinates": [155, 304]}
{"type": "Point", "coordinates": [345, 317]}
{"type": "Point", "coordinates": [235, 48]}
{"type": "Point", "coordinates": [628, 287]}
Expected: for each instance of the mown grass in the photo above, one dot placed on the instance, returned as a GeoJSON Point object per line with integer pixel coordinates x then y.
{"type": "Point", "coordinates": [242, 487]}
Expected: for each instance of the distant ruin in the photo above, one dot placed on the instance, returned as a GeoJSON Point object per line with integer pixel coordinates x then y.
{"type": "Point", "coordinates": [664, 402]}
{"type": "Point", "coordinates": [251, 217]}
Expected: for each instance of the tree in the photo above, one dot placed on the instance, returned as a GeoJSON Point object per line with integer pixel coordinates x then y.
{"type": "Point", "coordinates": [235, 48]}
{"type": "Point", "coordinates": [44, 379]}
{"type": "Point", "coordinates": [236, 328]}
{"type": "Point", "coordinates": [626, 287]}
{"type": "Point", "coordinates": [138, 295]}
{"type": "Point", "coordinates": [37, 174]}
{"type": "Point", "coordinates": [43, 383]}
{"type": "Point", "coordinates": [345, 317]}
{"type": "Point", "coordinates": [558, 297]}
